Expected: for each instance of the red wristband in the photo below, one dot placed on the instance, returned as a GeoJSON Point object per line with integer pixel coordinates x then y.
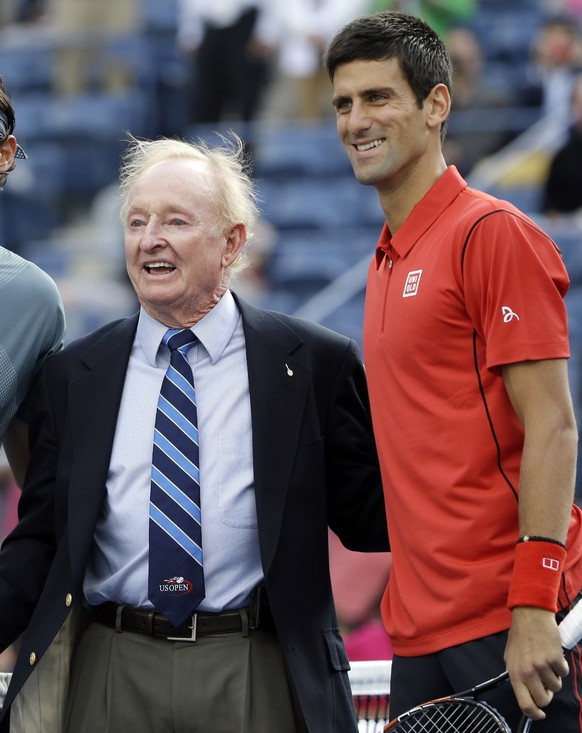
{"type": "Point", "coordinates": [537, 573]}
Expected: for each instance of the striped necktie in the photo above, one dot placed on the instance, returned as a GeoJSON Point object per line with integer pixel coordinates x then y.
{"type": "Point", "coordinates": [176, 577]}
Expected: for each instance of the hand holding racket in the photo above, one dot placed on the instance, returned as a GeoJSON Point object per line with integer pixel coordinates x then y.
{"type": "Point", "coordinates": [464, 711]}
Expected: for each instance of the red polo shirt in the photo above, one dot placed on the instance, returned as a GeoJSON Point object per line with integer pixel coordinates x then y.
{"type": "Point", "coordinates": [467, 284]}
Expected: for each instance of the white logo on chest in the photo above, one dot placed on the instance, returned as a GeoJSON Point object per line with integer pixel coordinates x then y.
{"type": "Point", "coordinates": [412, 283]}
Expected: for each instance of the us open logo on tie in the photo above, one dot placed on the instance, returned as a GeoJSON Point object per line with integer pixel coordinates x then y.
{"type": "Point", "coordinates": [412, 283]}
{"type": "Point", "coordinates": [177, 585]}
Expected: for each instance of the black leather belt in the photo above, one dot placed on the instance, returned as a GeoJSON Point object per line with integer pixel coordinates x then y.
{"type": "Point", "coordinates": [152, 623]}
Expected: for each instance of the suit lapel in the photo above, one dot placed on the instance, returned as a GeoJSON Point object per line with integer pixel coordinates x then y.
{"type": "Point", "coordinates": [278, 387]}
{"type": "Point", "coordinates": [94, 401]}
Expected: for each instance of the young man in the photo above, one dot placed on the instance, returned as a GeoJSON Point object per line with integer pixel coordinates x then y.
{"type": "Point", "coordinates": [32, 324]}
{"type": "Point", "coordinates": [465, 344]}
{"type": "Point", "coordinates": [248, 638]}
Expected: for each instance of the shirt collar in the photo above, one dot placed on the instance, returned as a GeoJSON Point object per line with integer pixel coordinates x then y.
{"type": "Point", "coordinates": [214, 331]}
{"type": "Point", "coordinates": [424, 214]}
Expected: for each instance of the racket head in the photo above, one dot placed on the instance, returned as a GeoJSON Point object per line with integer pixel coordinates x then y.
{"type": "Point", "coordinates": [450, 716]}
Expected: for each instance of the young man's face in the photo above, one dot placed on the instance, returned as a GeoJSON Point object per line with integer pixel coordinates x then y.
{"type": "Point", "coordinates": [384, 131]}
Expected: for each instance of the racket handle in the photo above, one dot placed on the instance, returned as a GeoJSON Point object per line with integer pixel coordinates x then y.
{"type": "Point", "coordinates": [571, 627]}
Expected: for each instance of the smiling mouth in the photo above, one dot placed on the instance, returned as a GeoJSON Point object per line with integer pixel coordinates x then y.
{"type": "Point", "coordinates": [361, 148]}
{"type": "Point", "coordinates": [159, 268]}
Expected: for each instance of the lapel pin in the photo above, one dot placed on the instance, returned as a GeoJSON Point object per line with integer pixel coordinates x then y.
{"type": "Point", "coordinates": [289, 371]}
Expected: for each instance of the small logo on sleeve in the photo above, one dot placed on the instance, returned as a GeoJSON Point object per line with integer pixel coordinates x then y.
{"type": "Point", "coordinates": [550, 563]}
{"type": "Point", "coordinates": [508, 314]}
{"type": "Point", "coordinates": [412, 283]}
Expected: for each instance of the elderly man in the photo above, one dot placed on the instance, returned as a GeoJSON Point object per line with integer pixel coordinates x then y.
{"type": "Point", "coordinates": [186, 464]}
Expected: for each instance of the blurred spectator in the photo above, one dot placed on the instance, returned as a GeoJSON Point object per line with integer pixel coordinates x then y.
{"type": "Point", "coordinates": [7, 12]}
{"type": "Point", "coordinates": [555, 59]}
{"type": "Point", "coordinates": [87, 33]}
{"type": "Point", "coordinates": [230, 45]}
{"type": "Point", "coordinates": [472, 91]}
{"type": "Point", "coordinates": [29, 11]}
{"type": "Point", "coordinates": [572, 8]}
{"type": "Point", "coordinates": [563, 188]}
{"type": "Point", "coordinates": [306, 27]}
{"type": "Point", "coordinates": [442, 15]}
{"type": "Point", "coordinates": [252, 283]}
{"type": "Point", "coordinates": [20, 11]}
{"type": "Point", "coordinates": [369, 641]}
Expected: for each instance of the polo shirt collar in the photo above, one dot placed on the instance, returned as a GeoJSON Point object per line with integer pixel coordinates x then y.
{"type": "Point", "coordinates": [430, 207]}
{"type": "Point", "coordinates": [214, 331]}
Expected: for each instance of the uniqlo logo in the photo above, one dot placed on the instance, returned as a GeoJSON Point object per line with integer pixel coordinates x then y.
{"type": "Point", "coordinates": [550, 563]}
{"type": "Point", "coordinates": [412, 283]}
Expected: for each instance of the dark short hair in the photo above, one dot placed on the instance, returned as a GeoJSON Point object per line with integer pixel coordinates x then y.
{"type": "Point", "coordinates": [387, 34]}
{"type": "Point", "coordinates": [6, 107]}
{"type": "Point", "coordinates": [8, 111]}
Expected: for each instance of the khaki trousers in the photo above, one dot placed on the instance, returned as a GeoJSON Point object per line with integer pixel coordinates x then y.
{"type": "Point", "coordinates": [224, 683]}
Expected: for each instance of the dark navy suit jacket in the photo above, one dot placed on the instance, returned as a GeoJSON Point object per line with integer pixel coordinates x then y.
{"type": "Point", "coordinates": [315, 466]}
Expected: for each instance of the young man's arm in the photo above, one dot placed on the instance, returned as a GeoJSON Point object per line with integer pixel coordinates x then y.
{"type": "Point", "coordinates": [540, 395]}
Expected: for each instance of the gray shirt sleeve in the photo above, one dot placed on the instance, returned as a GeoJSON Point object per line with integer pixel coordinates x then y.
{"type": "Point", "coordinates": [32, 326]}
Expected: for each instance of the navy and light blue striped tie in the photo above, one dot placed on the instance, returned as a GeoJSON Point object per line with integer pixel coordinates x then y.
{"type": "Point", "coordinates": [176, 577]}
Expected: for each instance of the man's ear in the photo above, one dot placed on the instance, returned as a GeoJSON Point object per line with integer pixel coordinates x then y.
{"type": "Point", "coordinates": [7, 150]}
{"type": "Point", "coordinates": [438, 105]}
{"type": "Point", "coordinates": [235, 237]}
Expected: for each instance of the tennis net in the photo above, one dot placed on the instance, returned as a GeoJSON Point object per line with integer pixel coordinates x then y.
{"type": "Point", "coordinates": [370, 683]}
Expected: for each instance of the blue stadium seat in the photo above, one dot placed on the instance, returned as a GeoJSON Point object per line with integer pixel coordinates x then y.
{"type": "Point", "coordinates": [570, 243]}
{"type": "Point", "coordinates": [525, 196]}
{"type": "Point", "coordinates": [159, 16]}
{"type": "Point", "coordinates": [299, 149]}
{"type": "Point", "coordinates": [89, 129]}
{"type": "Point", "coordinates": [24, 218]}
{"type": "Point", "coordinates": [349, 318]}
{"type": "Point", "coordinates": [103, 115]}
{"type": "Point", "coordinates": [323, 202]}
{"type": "Point", "coordinates": [306, 260]}
{"type": "Point", "coordinates": [506, 33]}
{"type": "Point", "coordinates": [26, 68]}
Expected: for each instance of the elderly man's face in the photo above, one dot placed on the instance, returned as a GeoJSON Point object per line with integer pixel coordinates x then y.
{"type": "Point", "coordinates": [177, 254]}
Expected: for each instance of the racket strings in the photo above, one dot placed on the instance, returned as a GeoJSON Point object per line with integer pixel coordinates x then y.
{"type": "Point", "coordinates": [457, 716]}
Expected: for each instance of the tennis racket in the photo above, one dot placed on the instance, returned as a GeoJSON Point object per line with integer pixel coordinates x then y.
{"type": "Point", "coordinates": [464, 712]}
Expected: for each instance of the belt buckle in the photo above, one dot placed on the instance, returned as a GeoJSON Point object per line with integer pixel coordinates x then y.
{"type": "Point", "coordinates": [192, 627]}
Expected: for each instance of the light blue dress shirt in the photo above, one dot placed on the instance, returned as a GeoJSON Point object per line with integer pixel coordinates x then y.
{"type": "Point", "coordinates": [118, 568]}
